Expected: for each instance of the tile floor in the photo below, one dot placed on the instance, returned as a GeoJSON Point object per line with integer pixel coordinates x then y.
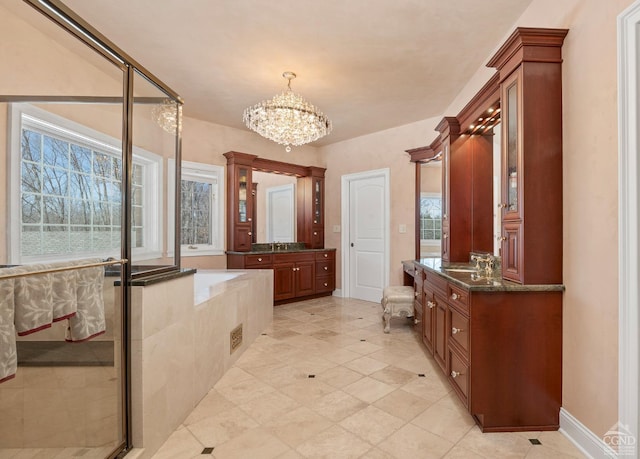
{"type": "Point", "coordinates": [324, 381]}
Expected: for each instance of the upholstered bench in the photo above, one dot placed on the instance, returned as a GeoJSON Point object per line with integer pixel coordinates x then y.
{"type": "Point", "coordinates": [397, 301]}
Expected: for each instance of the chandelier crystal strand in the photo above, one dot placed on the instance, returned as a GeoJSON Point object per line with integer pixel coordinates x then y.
{"type": "Point", "coordinates": [166, 115]}
{"type": "Point", "coordinates": [287, 119]}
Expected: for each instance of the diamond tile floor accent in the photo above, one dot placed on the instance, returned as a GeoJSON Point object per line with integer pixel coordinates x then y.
{"type": "Point", "coordinates": [374, 395]}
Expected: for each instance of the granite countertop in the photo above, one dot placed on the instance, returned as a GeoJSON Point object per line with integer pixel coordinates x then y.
{"type": "Point", "coordinates": [473, 282]}
{"type": "Point", "coordinates": [266, 252]}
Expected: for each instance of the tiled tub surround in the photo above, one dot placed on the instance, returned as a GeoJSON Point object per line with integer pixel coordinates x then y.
{"type": "Point", "coordinates": [181, 346]}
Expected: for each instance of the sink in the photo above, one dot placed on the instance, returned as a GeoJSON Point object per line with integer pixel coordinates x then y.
{"type": "Point", "coordinates": [460, 270]}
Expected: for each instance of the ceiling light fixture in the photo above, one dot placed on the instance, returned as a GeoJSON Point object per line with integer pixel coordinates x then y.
{"type": "Point", "coordinates": [287, 119]}
{"type": "Point", "coordinates": [166, 114]}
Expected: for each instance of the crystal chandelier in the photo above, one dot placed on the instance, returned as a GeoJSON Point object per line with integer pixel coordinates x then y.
{"type": "Point", "coordinates": [167, 114]}
{"type": "Point", "coordinates": [287, 119]}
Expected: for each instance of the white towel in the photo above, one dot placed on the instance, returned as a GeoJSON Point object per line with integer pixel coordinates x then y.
{"type": "Point", "coordinates": [33, 300]}
{"type": "Point", "coordinates": [8, 357]}
{"type": "Point", "coordinates": [89, 320]}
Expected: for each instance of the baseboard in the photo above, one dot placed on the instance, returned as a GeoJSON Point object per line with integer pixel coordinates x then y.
{"type": "Point", "coordinates": [586, 441]}
{"type": "Point", "coordinates": [337, 292]}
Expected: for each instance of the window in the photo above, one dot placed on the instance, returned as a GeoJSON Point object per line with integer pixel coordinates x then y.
{"type": "Point", "coordinates": [66, 191]}
{"type": "Point", "coordinates": [430, 217]}
{"type": "Point", "coordinates": [201, 208]}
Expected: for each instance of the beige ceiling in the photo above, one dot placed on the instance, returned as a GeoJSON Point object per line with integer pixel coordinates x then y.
{"type": "Point", "coordinates": [369, 65]}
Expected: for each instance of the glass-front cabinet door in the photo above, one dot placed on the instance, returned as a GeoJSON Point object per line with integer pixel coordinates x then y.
{"type": "Point", "coordinates": [511, 147]}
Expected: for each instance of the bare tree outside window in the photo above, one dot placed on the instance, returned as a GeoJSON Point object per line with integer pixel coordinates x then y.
{"type": "Point", "coordinates": [71, 196]}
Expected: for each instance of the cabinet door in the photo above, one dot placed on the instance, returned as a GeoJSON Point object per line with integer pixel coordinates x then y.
{"type": "Point", "coordinates": [446, 242]}
{"type": "Point", "coordinates": [440, 332]}
{"type": "Point", "coordinates": [512, 251]}
{"type": "Point", "coordinates": [318, 202]}
{"type": "Point", "coordinates": [284, 281]}
{"type": "Point", "coordinates": [428, 319]}
{"type": "Point", "coordinates": [305, 278]}
{"type": "Point", "coordinates": [242, 237]}
{"type": "Point", "coordinates": [512, 146]}
{"type": "Point", "coordinates": [244, 210]}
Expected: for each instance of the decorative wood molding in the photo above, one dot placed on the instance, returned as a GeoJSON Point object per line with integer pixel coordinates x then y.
{"type": "Point", "coordinates": [268, 165]}
{"type": "Point", "coordinates": [487, 97]}
{"type": "Point", "coordinates": [528, 45]}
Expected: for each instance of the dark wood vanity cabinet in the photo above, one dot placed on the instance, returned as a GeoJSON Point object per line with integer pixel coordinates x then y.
{"type": "Point", "coordinates": [529, 65]}
{"type": "Point", "coordinates": [501, 351]}
{"type": "Point", "coordinates": [296, 275]}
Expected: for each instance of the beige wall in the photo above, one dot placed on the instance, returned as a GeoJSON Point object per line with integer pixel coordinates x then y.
{"type": "Point", "coordinates": [590, 374]}
{"type": "Point", "coordinates": [385, 149]}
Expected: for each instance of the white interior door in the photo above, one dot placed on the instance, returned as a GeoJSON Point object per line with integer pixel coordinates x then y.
{"type": "Point", "coordinates": [368, 235]}
{"type": "Point", "coordinates": [281, 213]}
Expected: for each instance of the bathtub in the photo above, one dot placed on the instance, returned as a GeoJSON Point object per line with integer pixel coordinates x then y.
{"type": "Point", "coordinates": [208, 282]}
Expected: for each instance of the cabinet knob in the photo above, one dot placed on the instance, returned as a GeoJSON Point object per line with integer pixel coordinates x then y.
{"type": "Point", "coordinates": [416, 294]}
{"type": "Point", "coordinates": [315, 221]}
{"type": "Point", "coordinates": [503, 238]}
{"type": "Point", "coordinates": [454, 296]}
{"type": "Point", "coordinates": [431, 304]}
{"type": "Point", "coordinates": [315, 233]}
{"type": "Point", "coordinates": [249, 233]}
{"type": "Point", "coordinates": [326, 255]}
{"type": "Point", "coordinates": [455, 374]}
{"type": "Point", "coordinates": [416, 321]}
{"type": "Point", "coordinates": [502, 205]}
{"type": "Point", "coordinates": [259, 259]}
{"type": "Point", "coordinates": [445, 235]}
{"type": "Point", "coordinates": [326, 285]}
{"type": "Point", "coordinates": [326, 268]}
{"type": "Point", "coordinates": [249, 219]}
{"type": "Point", "coordinates": [455, 330]}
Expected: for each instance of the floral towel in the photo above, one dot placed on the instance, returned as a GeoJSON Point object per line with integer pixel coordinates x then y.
{"type": "Point", "coordinates": [89, 320]}
{"type": "Point", "coordinates": [33, 300]}
{"type": "Point", "coordinates": [8, 357]}
{"type": "Point", "coordinates": [63, 293]}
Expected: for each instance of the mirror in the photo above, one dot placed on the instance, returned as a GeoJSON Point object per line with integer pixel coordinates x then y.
{"type": "Point", "coordinates": [430, 211]}
{"type": "Point", "coordinates": [274, 207]}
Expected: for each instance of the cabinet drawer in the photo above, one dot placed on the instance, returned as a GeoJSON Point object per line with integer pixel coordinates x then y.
{"type": "Point", "coordinates": [325, 284]}
{"type": "Point", "coordinates": [459, 331]}
{"type": "Point", "coordinates": [459, 376]}
{"type": "Point", "coordinates": [293, 257]}
{"type": "Point", "coordinates": [458, 297]}
{"type": "Point", "coordinates": [257, 261]}
{"type": "Point", "coordinates": [330, 255]}
{"type": "Point", "coordinates": [324, 267]}
{"type": "Point", "coordinates": [437, 282]}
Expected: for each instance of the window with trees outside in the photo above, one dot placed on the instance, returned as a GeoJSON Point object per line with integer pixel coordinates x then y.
{"type": "Point", "coordinates": [201, 208]}
{"type": "Point", "coordinates": [66, 190]}
{"type": "Point", "coordinates": [430, 217]}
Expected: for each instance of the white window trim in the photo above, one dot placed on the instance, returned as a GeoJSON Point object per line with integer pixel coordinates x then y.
{"type": "Point", "coordinates": [207, 172]}
{"type": "Point", "coordinates": [87, 136]}
{"type": "Point", "coordinates": [425, 194]}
